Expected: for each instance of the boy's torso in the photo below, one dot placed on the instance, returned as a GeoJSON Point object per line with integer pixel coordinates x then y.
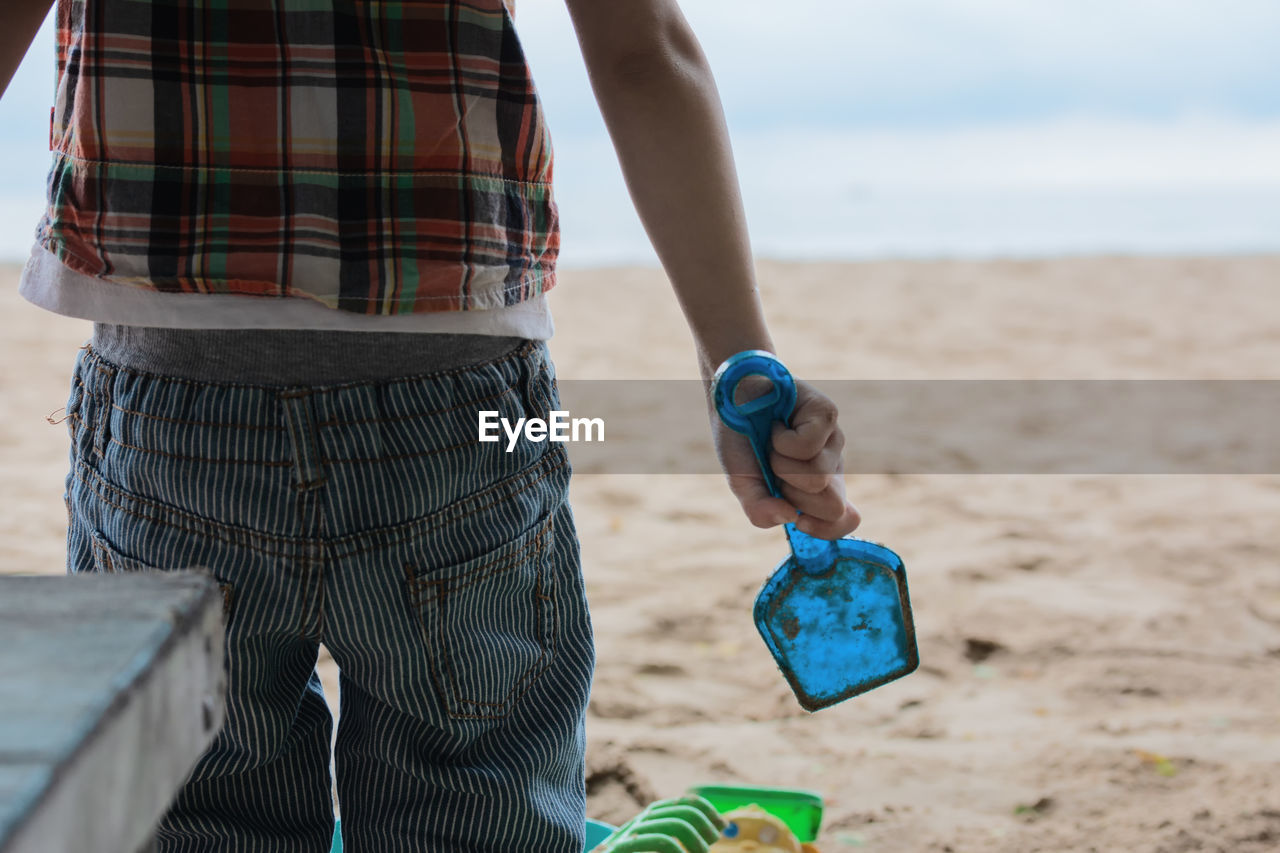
{"type": "Point", "coordinates": [376, 158]}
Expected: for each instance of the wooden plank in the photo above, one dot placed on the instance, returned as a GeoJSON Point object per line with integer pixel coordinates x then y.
{"type": "Point", "coordinates": [111, 686]}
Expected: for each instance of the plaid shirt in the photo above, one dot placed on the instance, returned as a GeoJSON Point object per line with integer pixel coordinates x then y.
{"type": "Point", "coordinates": [378, 157]}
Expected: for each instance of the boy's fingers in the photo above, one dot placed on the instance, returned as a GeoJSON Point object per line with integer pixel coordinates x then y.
{"type": "Point", "coordinates": [830, 504]}
{"type": "Point", "coordinates": [833, 529]}
{"type": "Point", "coordinates": [746, 482]}
{"type": "Point", "coordinates": [761, 508]}
{"type": "Point", "coordinates": [813, 424]}
{"type": "Point", "coordinates": [809, 475]}
{"type": "Point", "coordinates": [826, 516]}
{"type": "Point", "coordinates": [826, 513]}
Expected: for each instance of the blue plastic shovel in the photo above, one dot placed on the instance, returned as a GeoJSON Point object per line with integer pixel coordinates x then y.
{"type": "Point", "coordinates": [834, 614]}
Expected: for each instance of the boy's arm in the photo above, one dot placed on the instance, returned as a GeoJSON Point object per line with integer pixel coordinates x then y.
{"type": "Point", "coordinates": [660, 104]}
{"type": "Point", "coordinates": [22, 19]}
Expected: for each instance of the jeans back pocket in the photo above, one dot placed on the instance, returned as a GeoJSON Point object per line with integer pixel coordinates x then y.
{"type": "Point", "coordinates": [107, 559]}
{"type": "Point", "coordinates": [489, 624]}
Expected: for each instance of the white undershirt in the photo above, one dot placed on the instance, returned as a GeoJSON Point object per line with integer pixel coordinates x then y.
{"type": "Point", "coordinates": [52, 285]}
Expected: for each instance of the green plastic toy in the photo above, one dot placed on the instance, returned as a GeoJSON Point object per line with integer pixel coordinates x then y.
{"type": "Point", "coordinates": [800, 810]}
{"type": "Point", "coordinates": [685, 825]}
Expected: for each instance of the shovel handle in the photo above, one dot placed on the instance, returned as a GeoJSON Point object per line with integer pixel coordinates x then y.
{"type": "Point", "coordinates": [755, 418]}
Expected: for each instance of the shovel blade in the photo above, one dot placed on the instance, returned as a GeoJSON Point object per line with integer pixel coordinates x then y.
{"type": "Point", "coordinates": [841, 631]}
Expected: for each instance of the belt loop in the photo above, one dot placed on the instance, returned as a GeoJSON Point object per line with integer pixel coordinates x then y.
{"type": "Point", "coordinates": [546, 377]}
{"type": "Point", "coordinates": [531, 375]}
{"type": "Point", "coordinates": [300, 418]}
{"type": "Point", "coordinates": [102, 419]}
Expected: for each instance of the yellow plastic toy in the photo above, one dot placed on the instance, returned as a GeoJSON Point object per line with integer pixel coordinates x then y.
{"type": "Point", "coordinates": [751, 829]}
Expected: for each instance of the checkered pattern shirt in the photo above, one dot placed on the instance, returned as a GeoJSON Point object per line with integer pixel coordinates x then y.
{"type": "Point", "coordinates": [377, 157]}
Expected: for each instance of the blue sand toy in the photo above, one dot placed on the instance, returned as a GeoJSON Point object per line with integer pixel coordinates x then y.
{"type": "Point", "coordinates": [835, 614]}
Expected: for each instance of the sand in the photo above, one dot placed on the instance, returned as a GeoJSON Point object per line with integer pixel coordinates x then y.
{"type": "Point", "coordinates": [1100, 654]}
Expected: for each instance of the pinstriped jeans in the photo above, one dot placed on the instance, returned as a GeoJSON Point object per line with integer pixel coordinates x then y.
{"type": "Point", "coordinates": [443, 574]}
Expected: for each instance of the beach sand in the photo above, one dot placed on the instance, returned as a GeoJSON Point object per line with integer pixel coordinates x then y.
{"type": "Point", "coordinates": [1100, 654]}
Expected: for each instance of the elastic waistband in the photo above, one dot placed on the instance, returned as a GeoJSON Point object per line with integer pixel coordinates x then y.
{"type": "Point", "coordinates": [291, 356]}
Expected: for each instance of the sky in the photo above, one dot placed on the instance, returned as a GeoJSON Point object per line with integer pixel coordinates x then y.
{"type": "Point", "coordinates": [947, 63]}
{"type": "Point", "coordinates": [890, 99]}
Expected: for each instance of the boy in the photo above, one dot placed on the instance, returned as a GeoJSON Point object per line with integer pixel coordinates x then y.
{"type": "Point", "coordinates": [314, 242]}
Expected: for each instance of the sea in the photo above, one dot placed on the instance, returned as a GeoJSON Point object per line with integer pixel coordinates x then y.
{"type": "Point", "coordinates": [1068, 187]}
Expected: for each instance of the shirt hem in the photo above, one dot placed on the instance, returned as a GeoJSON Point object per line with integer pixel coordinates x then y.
{"type": "Point", "coordinates": [49, 283]}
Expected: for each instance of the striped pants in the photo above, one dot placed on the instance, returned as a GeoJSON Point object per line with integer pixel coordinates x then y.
{"type": "Point", "coordinates": [443, 574]}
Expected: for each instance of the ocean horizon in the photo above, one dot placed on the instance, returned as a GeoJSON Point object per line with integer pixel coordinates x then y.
{"type": "Point", "coordinates": [1196, 186]}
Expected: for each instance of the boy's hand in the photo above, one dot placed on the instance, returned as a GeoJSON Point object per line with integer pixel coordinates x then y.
{"type": "Point", "coordinates": [806, 462]}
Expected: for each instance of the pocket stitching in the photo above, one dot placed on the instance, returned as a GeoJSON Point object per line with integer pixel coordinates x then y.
{"type": "Point", "coordinates": [474, 575]}
{"type": "Point", "coordinates": [546, 616]}
{"type": "Point", "coordinates": [544, 653]}
{"type": "Point", "coordinates": [104, 555]}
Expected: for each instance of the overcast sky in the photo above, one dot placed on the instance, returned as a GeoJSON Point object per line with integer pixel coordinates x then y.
{"type": "Point", "coordinates": [1144, 91]}
{"type": "Point", "coordinates": [943, 63]}
{"type": "Point", "coordinates": [898, 63]}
